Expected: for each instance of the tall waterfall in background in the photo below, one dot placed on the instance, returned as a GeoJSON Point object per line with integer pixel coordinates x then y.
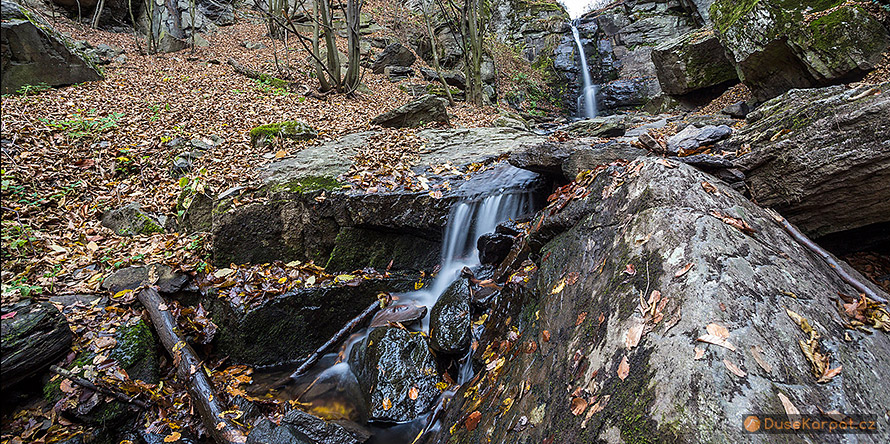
{"type": "Point", "coordinates": [587, 99]}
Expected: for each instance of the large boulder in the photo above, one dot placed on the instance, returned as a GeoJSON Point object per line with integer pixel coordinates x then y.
{"type": "Point", "coordinates": [34, 335]}
{"type": "Point", "coordinates": [34, 54]}
{"type": "Point", "coordinates": [393, 55]}
{"type": "Point", "coordinates": [778, 45]}
{"type": "Point", "coordinates": [426, 109]}
{"type": "Point", "coordinates": [692, 62]}
{"type": "Point", "coordinates": [606, 333]}
{"type": "Point", "coordinates": [450, 320]}
{"type": "Point", "coordinates": [299, 427]}
{"type": "Point", "coordinates": [397, 374]}
{"type": "Point", "coordinates": [821, 157]}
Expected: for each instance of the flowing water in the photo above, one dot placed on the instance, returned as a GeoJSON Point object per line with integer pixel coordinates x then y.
{"type": "Point", "coordinates": [330, 389]}
{"type": "Point", "coordinates": [587, 99]}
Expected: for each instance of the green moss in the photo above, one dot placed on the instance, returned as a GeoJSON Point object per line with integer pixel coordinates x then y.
{"type": "Point", "coordinates": [847, 30]}
{"type": "Point", "coordinates": [308, 184]}
{"type": "Point", "coordinates": [148, 225]}
{"type": "Point", "coordinates": [136, 351]}
{"type": "Point", "coordinates": [291, 129]}
{"type": "Point", "coordinates": [632, 400]}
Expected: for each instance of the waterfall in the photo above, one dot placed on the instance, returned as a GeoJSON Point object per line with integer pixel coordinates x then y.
{"type": "Point", "coordinates": [587, 99]}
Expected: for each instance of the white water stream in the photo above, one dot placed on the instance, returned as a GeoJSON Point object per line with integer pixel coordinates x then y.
{"type": "Point", "coordinates": [587, 99]}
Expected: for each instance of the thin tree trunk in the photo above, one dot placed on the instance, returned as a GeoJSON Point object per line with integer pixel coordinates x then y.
{"type": "Point", "coordinates": [325, 86]}
{"type": "Point", "coordinates": [190, 371]}
{"type": "Point", "coordinates": [333, 55]}
{"type": "Point", "coordinates": [429, 29]}
{"type": "Point", "coordinates": [353, 21]}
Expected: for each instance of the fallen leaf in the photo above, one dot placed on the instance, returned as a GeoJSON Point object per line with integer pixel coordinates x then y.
{"type": "Point", "coordinates": [572, 278]}
{"type": "Point", "coordinates": [578, 405]}
{"type": "Point", "coordinates": [757, 352]}
{"type": "Point", "coordinates": [710, 188]}
{"type": "Point", "coordinates": [683, 270]}
{"type": "Point", "coordinates": [559, 286]}
{"type": "Point", "coordinates": [718, 330]}
{"type": "Point", "coordinates": [717, 340]}
{"type": "Point", "coordinates": [412, 393]}
{"type": "Point", "coordinates": [545, 335]}
{"type": "Point", "coordinates": [790, 410]}
{"type": "Point", "coordinates": [223, 272]}
{"type": "Point", "coordinates": [280, 153]}
{"type": "Point", "coordinates": [387, 404]}
{"type": "Point", "coordinates": [581, 317]}
{"type": "Point", "coordinates": [172, 437]}
{"type": "Point", "coordinates": [104, 342]}
{"type": "Point", "coordinates": [92, 246]}
{"type": "Point", "coordinates": [630, 269]}
{"type": "Point", "coordinates": [473, 420]}
{"type": "Point", "coordinates": [66, 386]}
{"type": "Point", "coordinates": [623, 369]}
{"type": "Point", "coordinates": [9, 315]}
{"type": "Point", "coordinates": [699, 353]}
{"type": "Point", "coordinates": [734, 368]}
{"type": "Point", "coordinates": [633, 336]}
{"type": "Point", "coordinates": [829, 374]}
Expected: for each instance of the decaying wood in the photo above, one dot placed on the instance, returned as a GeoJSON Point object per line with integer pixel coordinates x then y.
{"type": "Point", "coordinates": [339, 336]}
{"type": "Point", "coordinates": [87, 384]}
{"type": "Point", "coordinates": [190, 370]}
{"type": "Point", "coordinates": [826, 256]}
{"type": "Point", "coordinates": [261, 76]}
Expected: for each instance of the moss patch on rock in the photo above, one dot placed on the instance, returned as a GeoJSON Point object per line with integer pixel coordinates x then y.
{"type": "Point", "coordinates": [309, 184]}
{"type": "Point", "coordinates": [290, 129]}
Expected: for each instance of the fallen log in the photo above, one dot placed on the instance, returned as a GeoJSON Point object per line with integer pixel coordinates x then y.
{"type": "Point", "coordinates": [190, 371]}
{"type": "Point", "coordinates": [261, 76]}
{"type": "Point", "coordinates": [89, 385]}
{"type": "Point", "coordinates": [826, 256]}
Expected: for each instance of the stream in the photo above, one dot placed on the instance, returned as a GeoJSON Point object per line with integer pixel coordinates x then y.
{"type": "Point", "coordinates": [331, 390]}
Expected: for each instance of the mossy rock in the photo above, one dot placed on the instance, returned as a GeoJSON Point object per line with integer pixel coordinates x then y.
{"type": "Point", "coordinates": [263, 135]}
{"type": "Point", "coordinates": [357, 248]}
{"type": "Point", "coordinates": [309, 184]}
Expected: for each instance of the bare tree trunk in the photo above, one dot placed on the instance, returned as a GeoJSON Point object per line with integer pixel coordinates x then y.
{"type": "Point", "coordinates": [353, 21]}
{"type": "Point", "coordinates": [97, 13]}
{"type": "Point", "coordinates": [473, 46]}
{"type": "Point", "coordinates": [327, 25]}
{"type": "Point", "coordinates": [325, 86]}
{"type": "Point", "coordinates": [429, 29]}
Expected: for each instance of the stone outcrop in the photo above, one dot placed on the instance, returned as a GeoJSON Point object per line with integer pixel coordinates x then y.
{"type": "Point", "coordinates": [34, 54]}
{"type": "Point", "coordinates": [821, 157]}
{"type": "Point", "coordinates": [779, 45]}
{"type": "Point", "coordinates": [691, 62]}
{"type": "Point", "coordinates": [426, 109]}
{"type": "Point", "coordinates": [393, 55]}
{"type": "Point", "coordinates": [351, 231]}
{"type": "Point", "coordinates": [604, 347]}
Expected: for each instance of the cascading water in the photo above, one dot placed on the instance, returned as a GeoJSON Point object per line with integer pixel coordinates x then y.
{"type": "Point", "coordinates": [587, 99]}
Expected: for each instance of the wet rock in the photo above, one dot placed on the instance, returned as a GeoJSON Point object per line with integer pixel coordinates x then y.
{"type": "Point", "coordinates": [393, 366]}
{"type": "Point", "coordinates": [450, 320]}
{"type": "Point", "coordinates": [267, 432]}
{"type": "Point", "coordinates": [130, 220]}
{"type": "Point", "coordinates": [627, 93]}
{"type": "Point", "coordinates": [158, 438]}
{"type": "Point", "coordinates": [590, 157]}
{"type": "Point", "coordinates": [608, 126]}
{"type": "Point", "coordinates": [358, 248]}
{"type": "Point", "coordinates": [543, 158]}
{"type": "Point", "coordinates": [35, 335]}
{"type": "Point", "coordinates": [821, 157]}
{"type": "Point", "coordinates": [293, 325]}
{"type": "Point", "coordinates": [658, 220]}
{"type": "Point", "coordinates": [691, 62]}
{"type": "Point", "coordinates": [776, 49]}
{"type": "Point", "coordinates": [169, 281]}
{"type": "Point", "coordinates": [317, 430]}
{"type": "Point", "coordinates": [396, 73]}
{"type": "Point", "coordinates": [404, 314]}
{"type": "Point", "coordinates": [426, 109]}
{"type": "Point", "coordinates": [693, 137]}
{"type": "Point", "coordinates": [393, 55]}
{"type": "Point", "coordinates": [493, 247]}
{"type": "Point", "coordinates": [34, 53]}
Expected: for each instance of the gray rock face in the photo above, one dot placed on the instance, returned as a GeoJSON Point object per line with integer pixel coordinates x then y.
{"type": "Point", "coordinates": [393, 55]}
{"type": "Point", "coordinates": [34, 337]}
{"type": "Point", "coordinates": [590, 157]}
{"type": "Point", "coordinates": [299, 427]}
{"type": "Point", "coordinates": [821, 157]}
{"type": "Point", "coordinates": [608, 126]}
{"type": "Point", "coordinates": [173, 22]}
{"type": "Point", "coordinates": [426, 109]}
{"type": "Point", "coordinates": [33, 53]}
{"type": "Point", "coordinates": [396, 73]}
{"type": "Point", "coordinates": [693, 137]}
{"type": "Point", "coordinates": [627, 93]}
{"type": "Point", "coordinates": [658, 219]}
{"type": "Point", "coordinates": [130, 220]}
{"type": "Point", "coordinates": [691, 62]}
{"type": "Point", "coordinates": [169, 281]}
{"type": "Point", "coordinates": [452, 78]}
{"type": "Point", "coordinates": [450, 319]}
{"type": "Point", "coordinates": [776, 49]}
{"type": "Point", "coordinates": [392, 364]}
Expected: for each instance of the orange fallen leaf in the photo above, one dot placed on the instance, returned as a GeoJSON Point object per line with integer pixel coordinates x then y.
{"type": "Point", "coordinates": [633, 336]}
{"type": "Point", "coordinates": [280, 154]}
{"type": "Point", "coordinates": [387, 404]}
{"type": "Point", "coordinates": [699, 353]}
{"type": "Point", "coordinates": [829, 374]}
{"type": "Point", "coordinates": [734, 368]}
{"type": "Point", "coordinates": [623, 369]}
{"type": "Point", "coordinates": [630, 269]}
{"type": "Point", "coordinates": [578, 405]}
{"type": "Point", "coordinates": [757, 352]}
{"type": "Point", "coordinates": [412, 393]}
{"type": "Point", "coordinates": [683, 270]}
{"type": "Point", "coordinates": [710, 188]}
{"type": "Point", "coordinates": [581, 317]}
{"type": "Point", "coordinates": [172, 437]}
{"type": "Point", "coordinates": [545, 335]}
{"type": "Point", "coordinates": [718, 330]}
{"type": "Point", "coordinates": [790, 410]}
{"type": "Point", "coordinates": [716, 340]}
{"type": "Point", "coordinates": [473, 420]}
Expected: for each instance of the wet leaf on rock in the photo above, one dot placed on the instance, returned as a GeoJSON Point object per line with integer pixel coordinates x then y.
{"type": "Point", "coordinates": [473, 420]}
{"type": "Point", "coordinates": [623, 368]}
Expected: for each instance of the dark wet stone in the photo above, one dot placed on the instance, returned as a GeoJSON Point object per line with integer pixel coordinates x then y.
{"type": "Point", "coordinates": [34, 337]}
{"type": "Point", "coordinates": [450, 319]}
{"type": "Point", "coordinates": [392, 366]}
{"type": "Point", "coordinates": [169, 281]}
{"type": "Point", "coordinates": [402, 313]}
{"type": "Point", "coordinates": [493, 247]}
